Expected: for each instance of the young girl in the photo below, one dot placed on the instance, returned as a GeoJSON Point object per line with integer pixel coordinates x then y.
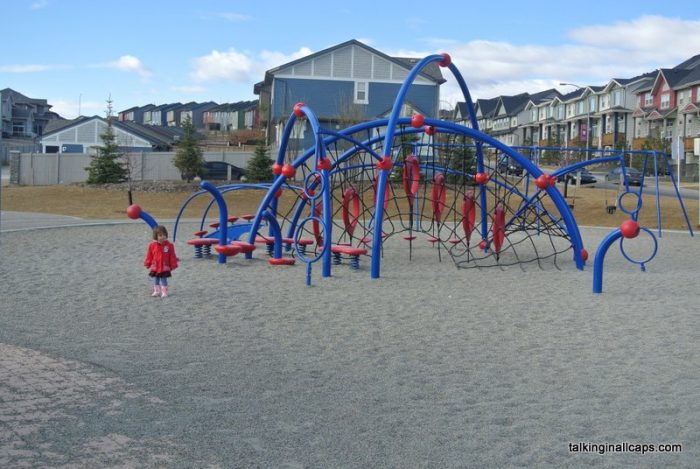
{"type": "Point", "coordinates": [161, 260]}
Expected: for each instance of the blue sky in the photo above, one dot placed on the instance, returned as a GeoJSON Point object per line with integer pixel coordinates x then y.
{"type": "Point", "coordinates": [77, 53]}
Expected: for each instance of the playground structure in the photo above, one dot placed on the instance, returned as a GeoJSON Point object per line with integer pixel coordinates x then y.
{"type": "Point", "coordinates": [423, 179]}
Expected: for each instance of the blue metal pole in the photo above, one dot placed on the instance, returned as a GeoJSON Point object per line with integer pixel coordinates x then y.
{"type": "Point", "coordinates": [600, 258]}
{"type": "Point", "coordinates": [223, 216]}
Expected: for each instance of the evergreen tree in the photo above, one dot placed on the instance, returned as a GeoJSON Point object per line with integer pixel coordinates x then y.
{"type": "Point", "coordinates": [188, 158]}
{"type": "Point", "coordinates": [105, 166]}
{"type": "Point", "coordinates": [260, 166]}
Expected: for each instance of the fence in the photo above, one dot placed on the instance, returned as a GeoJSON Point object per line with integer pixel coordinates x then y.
{"type": "Point", "coordinates": [41, 169]}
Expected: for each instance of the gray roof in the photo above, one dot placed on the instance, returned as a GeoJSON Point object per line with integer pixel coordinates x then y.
{"type": "Point", "coordinates": [20, 98]}
{"type": "Point", "coordinates": [158, 136]}
{"type": "Point", "coordinates": [433, 73]}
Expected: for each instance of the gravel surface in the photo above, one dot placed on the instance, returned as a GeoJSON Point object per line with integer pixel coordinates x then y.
{"type": "Point", "coordinates": [428, 366]}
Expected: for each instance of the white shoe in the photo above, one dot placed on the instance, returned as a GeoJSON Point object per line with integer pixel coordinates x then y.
{"type": "Point", "coordinates": [163, 292]}
{"type": "Point", "coordinates": [156, 291]}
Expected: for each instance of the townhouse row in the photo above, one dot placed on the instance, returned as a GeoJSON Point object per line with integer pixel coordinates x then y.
{"type": "Point", "coordinates": [659, 110]}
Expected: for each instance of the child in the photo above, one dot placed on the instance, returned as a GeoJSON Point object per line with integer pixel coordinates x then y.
{"type": "Point", "coordinates": [161, 260]}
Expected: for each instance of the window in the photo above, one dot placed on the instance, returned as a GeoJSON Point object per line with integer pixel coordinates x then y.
{"type": "Point", "coordinates": [361, 92]}
{"type": "Point", "coordinates": [591, 104]}
{"type": "Point", "coordinates": [579, 108]}
{"type": "Point", "coordinates": [648, 99]}
{"type": "Point", "coordinates": [681, 97]}
{"type": "Point", "coordinates": [617, 98]}
{"type": "Point", "coordinates": [665, 101]}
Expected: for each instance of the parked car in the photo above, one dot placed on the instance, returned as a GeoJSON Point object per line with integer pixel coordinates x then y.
{"type": "Point", "coordinates": [634, 176]}
{"type": "Point", "coordinates": [586, 177]}
{"type": "Point", "coordinates": [219, 170]}
{"type": "Point", "coordinates": [506, 166]}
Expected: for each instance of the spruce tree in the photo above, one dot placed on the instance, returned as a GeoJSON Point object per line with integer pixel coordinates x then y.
{"type": "Point", "coordinates": [188, 158]}
{"type": "Point", "coordinates": [260, 166]}
{"type": "Point", "coordinates": [105, 166]}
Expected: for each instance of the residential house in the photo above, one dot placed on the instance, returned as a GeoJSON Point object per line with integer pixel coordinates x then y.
{"type": "Point", "coordinates": [505, 119]}
{"type": "Point", "coordinates": [83, 134]}
{"type": "Point", "coordinates": [174, 113]}
{"type": "Point", "coordinates": [135, 114]}
{"type": "Point", "coordinates": [159, 114]}
{"type": "Point", "coordinates": [229, 117]}
{"type": "Point", "coordinates": [668, 108]}
{"type": "Point", "coordinates": [536, 118]}
{"type": "Point", "coordinates": [23, 117]}
{"type": "Point", "coordinates": [196, 112]}
{"type": "Point", "coordinates": [484, 109]}
{"type": "Point", "coordinates": [344, 84]}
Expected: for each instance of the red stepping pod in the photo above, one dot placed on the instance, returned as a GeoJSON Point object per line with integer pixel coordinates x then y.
{"type": "Point", "coordinates": [281, 261]}
{"type": "Point", "coordinates": [244, 247]}
{"type": "Point", "coordinates": [202, 241]}
{"type": "Point", "coordinates": [228, 250]}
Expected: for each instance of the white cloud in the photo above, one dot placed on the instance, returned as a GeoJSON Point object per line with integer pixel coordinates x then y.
{"type": "Point", "coordinates": [234, 17]}
{"type": "Point", "coordinates": [655, 37]}
{"type": "Point", "coordinates": [596, 55]}
{"type": "Point", "coordinates": [238, 66]}
{"type": "Point", "coordinates": [127, 63]}
{"type": "Point", "coordinates": [25, 68]}
{"type": "Point", "coordinates": [39, 4]}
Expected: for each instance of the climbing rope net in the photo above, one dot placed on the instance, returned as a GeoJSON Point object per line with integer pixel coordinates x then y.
{"type": "Point", "coordinates": [433, 199]}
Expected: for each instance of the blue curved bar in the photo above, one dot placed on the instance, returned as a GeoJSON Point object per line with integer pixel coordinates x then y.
{"type": "Point", "coordinates": [388, 143]}
{"type": "Point", "coordinates": [223, 215]}
{"type": "Point", "coordinates": [150, 221]}
{"type": "Point", "coordinates": [600, 258]}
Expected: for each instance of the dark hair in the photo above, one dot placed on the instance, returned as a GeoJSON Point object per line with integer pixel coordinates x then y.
{"type": "Point", "coordinates": [160, 229]}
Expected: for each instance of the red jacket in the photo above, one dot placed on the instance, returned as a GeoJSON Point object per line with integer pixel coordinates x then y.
{"type": "Point", "coordinates": [161, 257]}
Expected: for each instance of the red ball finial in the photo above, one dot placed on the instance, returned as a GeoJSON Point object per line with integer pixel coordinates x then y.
{"type": "Point", "coordinates": [430, 130]}
{"type": "Point", "coordinates": [133, 211]}
{"type": "Point", "coordinates": [629, 228]}
{"type": "Point", "coordinates": [417, 120]}
{"type": "Point", "coordinates": [542, 182]}
{"type": "Point", "coordinates": [288, 171]}
{"type": "Point", "coordinates": [385, 163]}
{"type": "Point", "coordinates": [481, 178]}
{"type": "Point", "coordinates": [552, 180]}
{"type": "Point", "coordinates": [276, 169]}
{"type": "Point", "coordinates": [324, 163]}
{"type": "Point", "coordinates": [446, 60]}
{"type": "Point", "coordinates": [297, 109]}
{"type": "Point", "coordinates": [584, 255]}
{"type": "Point", "coordinates": [483, 244]}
